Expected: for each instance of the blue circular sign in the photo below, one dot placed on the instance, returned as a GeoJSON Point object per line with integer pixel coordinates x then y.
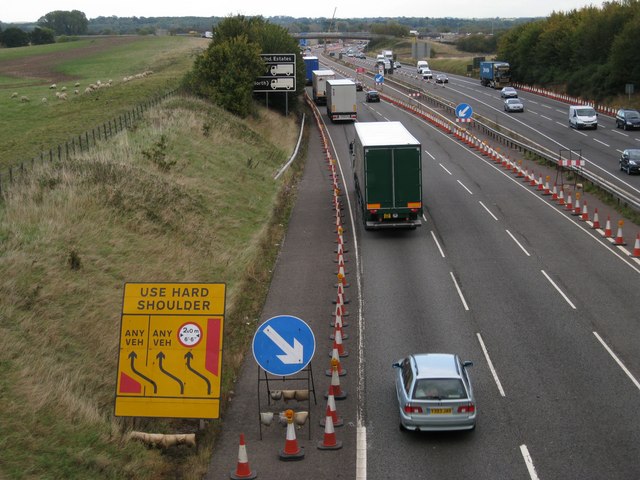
{"type": "Point", "coordinates": [379, 78]}
{"type": "Point", "coordinates": [464, 110]}
{"type": "Point", "coordinates": [283, 345]}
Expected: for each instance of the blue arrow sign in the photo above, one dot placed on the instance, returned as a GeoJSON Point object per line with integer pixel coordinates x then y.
{"type": "Point", "coordinates": [379, 78]}
{"type": "Point", "coordinates": [464, 110]}
{"type": "Point", "coordinates": [283, 345]}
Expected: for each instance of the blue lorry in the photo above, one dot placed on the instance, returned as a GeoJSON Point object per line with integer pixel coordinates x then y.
{"type": "Point", "coordinates": [310, 64]}
{"type": "Point", "coordinates": [495, 74]}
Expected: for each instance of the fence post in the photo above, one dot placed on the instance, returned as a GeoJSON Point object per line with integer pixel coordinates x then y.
{"type": "Point", "coordinates": [59, 152]}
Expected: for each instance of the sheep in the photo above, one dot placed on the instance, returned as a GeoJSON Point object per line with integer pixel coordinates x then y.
{"type": "Point", "coordinates": [61, 96]}
{"type": "Point", "coordinates": [53, 86]}
{"type": "Point", "coordinates": [14, 95]}
{"type": "Point", "coordinates": [63, 89]}
{"type": "Point", "coordinates": [77, 84]}
{"type": "Point", "coordinates": [76, 91]}
{"type": "Point", "coordinates": [24, 99]}
{"type": "Point", "coordinates": [88, 90]}
{"type": "Point", "coordinates": [44, 100]}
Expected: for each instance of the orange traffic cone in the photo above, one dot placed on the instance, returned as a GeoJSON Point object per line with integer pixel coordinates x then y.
{"type": "Point", "coordinates": [619, 238]}
{"type": "Point", "coordinates": [585, 215]}
{"type": "Point", "coordinates": [332, 411]}
{"type": "Point", "coordinates": [335, 356]}
{"type": "Point", "coordinates": [329, 442]}
{"type": "Point", "coordinates": [291, 449]}
{"type": "Point", "coordinates": [636, 247]}
{"type": "Point", "coordinates": [338, 345]}
{"type": "Point", "coordinates": [607, 228]}
{"type": "Point", "coordinates": [242, 469]}
{"type": "Point", "coordinates": [596, 220]}
{"type": "Point", "coordinates": [338, 393]}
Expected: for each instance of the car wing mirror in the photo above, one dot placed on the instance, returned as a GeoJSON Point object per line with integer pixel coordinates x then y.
{"type": "Point", "coordinates": [396, 365]}
{"type": "Point", "coordinates": [467, 364]}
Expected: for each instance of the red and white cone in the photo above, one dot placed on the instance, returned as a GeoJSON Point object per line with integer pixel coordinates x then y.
{"type": "Point", "coordinates": [596, 220]}
{"type": "Point", "coordinates": [540, 184]}
{"type": "Point", "coordinates": [329, 442]}
{"type": "Point", "coordinates": [554, 195]}
{"type": "Point", "coordinates": [335, 356]}
{"type": "Point", "coordinates": [337, 326]}
{"type": "Point", "coordinates": [569, 204]}
{"type": "Point", "coordinates": [636, 247]}
{"type": "Point", "coordinates": [332, 411]}
{"type": "Point", "coordinates": [576, 208]}
{"type": "Point", "coordinates": [585, 215]}
{"type": "Point", "coordinates": [242, 469]}
{"type": "Point", "coordinates": [337, 344]}
{"type": "Point", "coordinates": [291, 450]}
{"type": "Point", "coordinates": [337, 318]}
{"type": "Point", "coordinates": [338, 393]}
{"type": "Point", "coordinates": [547, 190]}
{"type": "Point", "coordinates": [607, 228]}
{"type": "Point", "coordinates": [340, 308]}
{"type": "Point", "coordinates": [619, 238]}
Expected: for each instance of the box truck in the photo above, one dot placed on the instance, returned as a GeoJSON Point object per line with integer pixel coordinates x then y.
{"type": "Point", "coordinates": [495, 74]}
{"type": "Point", "coordinates": [341, 99]}
{"type": "Point", "coordinates": [387, 170]}
{"type": "Point", "coordinates": [319, 82]}
{"type": "Point", "coordinates": [311, 63]}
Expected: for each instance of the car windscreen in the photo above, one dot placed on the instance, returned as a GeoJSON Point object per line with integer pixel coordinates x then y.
{"type": "Point", "coordinates": [634, 154]}
{"type": "Point", "coordinates": [439, 389]}
{"type": "Point", "coordinates": [632, 114]}
{"type": "Point", "coordinates": [586, 112]}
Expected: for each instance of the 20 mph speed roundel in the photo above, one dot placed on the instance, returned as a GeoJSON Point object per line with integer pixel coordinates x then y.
{"type": "Point", "coordinates": [190, 334]}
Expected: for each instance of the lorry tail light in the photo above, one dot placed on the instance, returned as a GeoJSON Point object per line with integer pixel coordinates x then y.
{"type": "Point", "coordinates": [414, 204]}
{"type": "Point", "coordinates": [413, 210]}
{"type": "Point", "coordinates": [373, 206]}
{"type": "Point", "coordinates": [408, 408]}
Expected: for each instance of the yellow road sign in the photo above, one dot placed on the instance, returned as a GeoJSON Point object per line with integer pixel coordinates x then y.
{"type": "Point", "coordinates": [170, 350]}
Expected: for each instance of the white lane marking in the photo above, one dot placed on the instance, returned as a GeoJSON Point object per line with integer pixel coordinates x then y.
{"type": "Point", "coordinates": [620, 133]}
{"type": "Point", "coordinates": [464, 302]}
{"type": "Point", "coordinates": [578, 131]}
{"type": "Point", "coordinates": [432, 157]}
{"type": "Point", "coordinates": [562, 124]}
{"type": "Point", "coordinates": [547, 118]}
{"type": "Point", "coordinates": [488, 211]}
{"type": "Point", "coordinates": [518, 243]}
{"type": "Point", "coordinates": [437, 243]}
{"type": "Point", "coordinates": [527, 460]}
{"type": "Point", "coordinates": [463, 186]}
{"type": "Point", "coordinates": [558, 289]}
{"type": "Point", "coordinates": [615, 357]}
{"type": "Point", "coordinates": [546, 106]}
{"type": "Point", "coordinates": [361, 453]}
{"type": "Point", "coordinates": [490, 363]}
{"type": "Point", "coordinates": [445, 169]}
{"type": "Point", "coordinates": [606, 145]}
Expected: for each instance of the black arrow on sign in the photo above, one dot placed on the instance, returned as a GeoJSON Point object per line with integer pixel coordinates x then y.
{"type": "Point", "coordinates": [161, 357]}
{"type": "Point", "coordinates": [133, 357]}
{"type": "Point", "coordinates": [189, 356]}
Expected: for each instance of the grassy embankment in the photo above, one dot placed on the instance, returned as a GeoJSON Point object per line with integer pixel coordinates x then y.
{"type": "Point", "coordinates": [27, 128]}
{"type": "Point", "coordinates": [71, 235]}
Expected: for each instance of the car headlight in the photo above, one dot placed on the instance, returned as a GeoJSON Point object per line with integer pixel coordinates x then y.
{"type": "Point", "coordinates": [632, 162]}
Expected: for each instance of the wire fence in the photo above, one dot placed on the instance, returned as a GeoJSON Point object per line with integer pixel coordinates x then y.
{"type": "Point", "coordinates": [82, 142]}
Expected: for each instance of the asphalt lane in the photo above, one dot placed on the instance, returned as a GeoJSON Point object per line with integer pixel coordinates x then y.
{"type": "Point", "coordinates": [303, 285]}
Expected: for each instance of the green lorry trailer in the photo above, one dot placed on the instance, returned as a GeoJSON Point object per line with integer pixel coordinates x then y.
{"type": "Point", "coordinates": [387, 170]}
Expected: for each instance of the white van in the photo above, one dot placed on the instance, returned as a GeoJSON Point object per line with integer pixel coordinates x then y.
{"type": "Point", "coordinates": [583, 116]}
{"type": "Point", "coordinates": [422, 64]}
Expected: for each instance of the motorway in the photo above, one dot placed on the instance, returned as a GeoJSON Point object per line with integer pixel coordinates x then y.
{"type": "Point", "coordinates": [546, 309]}
{"type": "Point", "coordinates": [543, 307]}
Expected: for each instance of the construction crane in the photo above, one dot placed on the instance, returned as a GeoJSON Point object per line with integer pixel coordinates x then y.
{"type": "Point", "coordinates": [329, 28]}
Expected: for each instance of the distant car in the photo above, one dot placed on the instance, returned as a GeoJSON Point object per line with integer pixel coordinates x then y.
{"type": "Point", "coordinates": [508, 92]}
{"type": "Point", "coordinates": [359, 85]}
{"type": "Point", "coordinates": [361, 56]}
{"type": "Point", "coordinates": [630, 160]}
{"type": "Point", "coordinates": [397, 65]}
{"type": "Point", "coordinates": [372, 96]}
{"type": "Point", "coordinates": [627, 118]}
{"type": "Point", "coordinates": [426, 74]}
{"type": "Point", "coordinates": [434, 393]}
{"type": "Point", "coordinates": [513, 105]}
{"type": "Point", "coordinates": [332, 54]}
{"type": "Point", "coordinates": [442, 78]}
{"type": "Point", "coordinates": [351, 54]}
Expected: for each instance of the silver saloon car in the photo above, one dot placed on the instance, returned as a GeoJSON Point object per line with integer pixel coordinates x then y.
{"type": "Point", "coordinates": [513, 105]}
{"type": "Point", "coordinates": [435, 393]}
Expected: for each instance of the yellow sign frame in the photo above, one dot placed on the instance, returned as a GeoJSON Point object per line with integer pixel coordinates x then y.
{"type": "Point", "coordinates": [170, 359]}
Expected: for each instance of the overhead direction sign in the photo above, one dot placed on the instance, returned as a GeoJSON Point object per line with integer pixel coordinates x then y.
{"type": "Point", "coordinates": [283, 345]}
{"type": "Point", "coordinates": [463, 112]}
{"type": "Point", "coordinates": [170, 361]}
{"type": "Point", "coordinates": [279, 74]}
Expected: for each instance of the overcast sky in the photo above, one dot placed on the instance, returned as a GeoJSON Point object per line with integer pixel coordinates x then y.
{"type": "Point", "coordinates": [32, 10]}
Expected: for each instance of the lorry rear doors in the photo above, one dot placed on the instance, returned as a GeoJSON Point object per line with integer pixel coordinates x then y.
{"type": "Point", "coordinates": [393, 177]}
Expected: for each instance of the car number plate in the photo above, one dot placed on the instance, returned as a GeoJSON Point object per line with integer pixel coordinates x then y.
{"type": "Point", "coordinates": [440, 411]}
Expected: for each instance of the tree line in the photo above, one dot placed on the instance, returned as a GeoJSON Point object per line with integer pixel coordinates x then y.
{"type": "Point", "coordinates": [591, 52]}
